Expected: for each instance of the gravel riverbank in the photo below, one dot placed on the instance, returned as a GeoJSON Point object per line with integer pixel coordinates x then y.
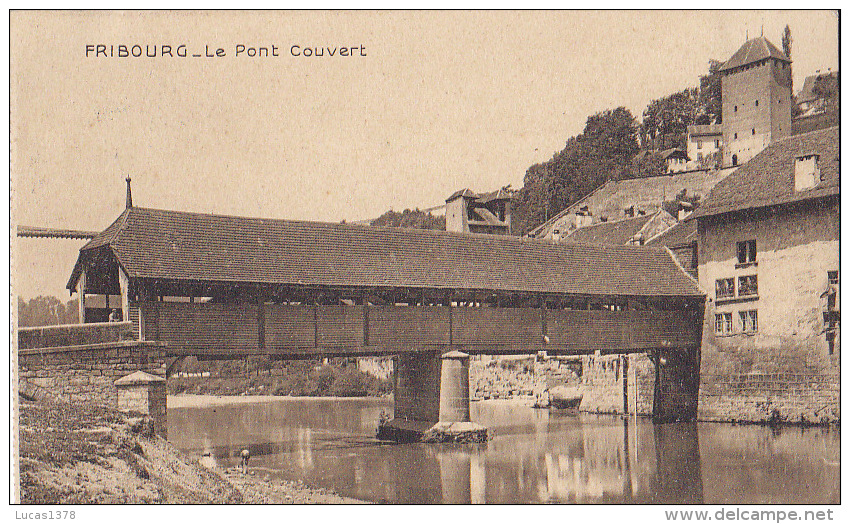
{"type": "Point", "coordinates": [94, 455]}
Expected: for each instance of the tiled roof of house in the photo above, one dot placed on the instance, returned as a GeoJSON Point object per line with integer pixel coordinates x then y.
{"type": "Point", "coordinates": [610, 233]}
{"type": "Point", "coordinates": [499, 194]}
{"type": "Point", "coordinates": [682, 233]}
{"type": "Point", "coordinates": [754, 50]}
{"type": "Point", "coordinates": [705, 129]}
{"type": "Point", "coordinates": [768, 178]}
{"type": "Point", "coordinates": [674, 152]}
{"type": "Point", "coordinates": [181, 246]}
{"type": "Point", "coordinates": [468, 193]}
{"type": "Point", "coordinates": [483, 198]}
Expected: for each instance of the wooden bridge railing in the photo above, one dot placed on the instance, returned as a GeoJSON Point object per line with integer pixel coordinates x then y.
{"type": "Point", "coordinates": [205, 329]}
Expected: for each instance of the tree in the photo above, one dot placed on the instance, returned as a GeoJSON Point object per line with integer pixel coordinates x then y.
{"type": "Point", "coordinates": [46, 311]}
{"type": "Point", "coordinates": [415, 219]}
{"type": "Point", "coordinates": [710, 95]}
{"type": "Point", "coordinates": [667, 118]}
{"type": "Point", "coordinates": [602, 152]}
{"type": "Point", "coordinates": [647, 165]}
{"type": "Point", "coordinates": [786, 48]}
{"type": "Point", "coordinates": [787, 41]}
{"type": "Point", "coordinates": [826, 89]}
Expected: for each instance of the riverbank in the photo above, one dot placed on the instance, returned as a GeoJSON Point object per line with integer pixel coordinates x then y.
{"type": "Point", "coordinates": [95, 455]}
{"type": "Point", "coordinates": [262, 376]}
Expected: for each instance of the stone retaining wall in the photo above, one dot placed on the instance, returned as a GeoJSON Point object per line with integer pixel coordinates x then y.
{"type": "Point", "coordinates": [74, 334]}
{"type": "Point", "coordinates": [86, 373]}
{"type": "Point", "coordinates": [778, 387]}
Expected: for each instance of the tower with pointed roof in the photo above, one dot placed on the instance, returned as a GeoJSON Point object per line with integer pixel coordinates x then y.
{"type": "Point", "coordinates": [756, 87]}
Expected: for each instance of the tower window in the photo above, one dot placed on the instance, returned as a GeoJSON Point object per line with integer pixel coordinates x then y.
{"type": "Point", "coordinates": [736, 109]}
{"type": "Point", "coordinates": [757, 103]}
{"type": "Point", "coordinates": [736, 136]}
{"type": "Point", "coordinates": [754, 130]}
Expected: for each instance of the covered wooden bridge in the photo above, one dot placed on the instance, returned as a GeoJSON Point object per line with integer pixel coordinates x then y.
{"type": "Point", "coordinates": [223, 287]}
{"type": "Point", "coordinates": [228, 286]}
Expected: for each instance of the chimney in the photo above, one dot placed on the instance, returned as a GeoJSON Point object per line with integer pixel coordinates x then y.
{"type": "Point", "coordinates": [685, 209]}
{"type": "Point", "coordinates": [129, 194]}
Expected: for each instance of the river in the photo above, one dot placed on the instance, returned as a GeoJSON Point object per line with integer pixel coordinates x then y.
{"type": "Point", "coordinates": [535, 455]}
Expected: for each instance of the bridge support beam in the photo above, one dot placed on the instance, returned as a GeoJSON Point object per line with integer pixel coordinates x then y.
{"type": "Point", "coordinates": [431, 394]}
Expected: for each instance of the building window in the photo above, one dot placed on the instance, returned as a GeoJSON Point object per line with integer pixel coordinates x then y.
{"type": "Point", "coordinates": [806, 172]}
{"type": "Point", "coordinates": [699, 144]}
{"type": "Point", "coordinates": [757, 103]}
{"type": "Point", "coordinates": [717, 144]}
{"type": "Point", "coordinates": [832, 276]}
{"type": "Point", "coordinates": [736, 136]}
{"type": "Point", "coordinates": [724, 288]}
{"type": "Point", "coordinates": [754, 130]}
{"type": "Point", "coordinates": [748, 285]}
{"type": "Point", "coordinates": [749, 321]}
{"type": "Point", "coordinates": [735, 157]}
{"type": "Point", "coordinates": [747, 252]}
{"type": "Point", "coordinates": [699, 157]}
{"type": "Point", "coordinates": [723, 323]}
{"type": "Point", "coordinates": [736, 109]}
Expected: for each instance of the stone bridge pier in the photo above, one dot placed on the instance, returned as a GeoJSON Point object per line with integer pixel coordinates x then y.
{"type": "Point", "coordinates": [431, 400]}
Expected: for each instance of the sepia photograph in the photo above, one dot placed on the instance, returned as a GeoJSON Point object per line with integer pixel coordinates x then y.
{"type": "Point", "coordinates": [426, 258]}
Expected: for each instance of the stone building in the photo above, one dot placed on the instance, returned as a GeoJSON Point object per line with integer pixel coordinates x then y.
{"type": "Point", "coordinates": [676, 159]}
{"type": "Point", "coordinates": [470, 212]}
{"type": "Point", "coordinates": [756, 107]}
{"type": "Point", "coordinates": [769, 259]}
{"type": "Point", "coordinates": [705, 146]}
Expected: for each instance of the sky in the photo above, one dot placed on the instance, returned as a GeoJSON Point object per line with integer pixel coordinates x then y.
{"type": "Point", "coordinates": [441, 101]}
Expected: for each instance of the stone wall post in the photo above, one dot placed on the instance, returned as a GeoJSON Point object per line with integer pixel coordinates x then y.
{"type": "Point", "coordinates": [144, 393]}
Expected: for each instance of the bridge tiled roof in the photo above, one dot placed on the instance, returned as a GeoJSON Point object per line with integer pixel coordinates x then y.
{"type": "Point", "coordinates": [182, 246]}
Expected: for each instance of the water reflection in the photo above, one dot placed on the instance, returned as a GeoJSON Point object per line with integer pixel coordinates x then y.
{"type": "Point", "coordinates": [535, 456]}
